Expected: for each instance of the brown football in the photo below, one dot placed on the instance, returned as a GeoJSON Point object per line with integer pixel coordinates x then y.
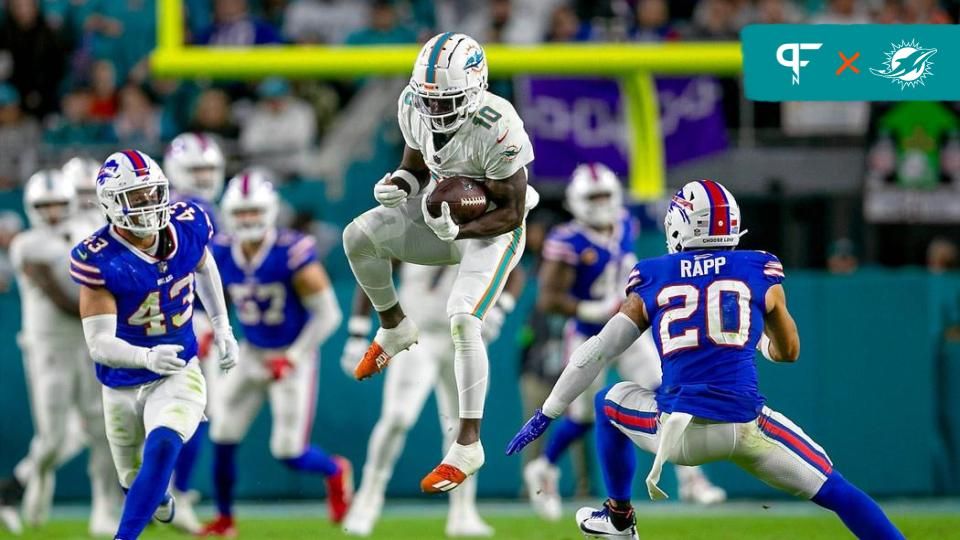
{"type": "Point", "coordinates": [467, 199]}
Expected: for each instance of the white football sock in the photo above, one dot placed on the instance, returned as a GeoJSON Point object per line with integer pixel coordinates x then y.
{"type": "Point", "coordinates": [466, 457]}
{"type": "Point", "coordinates": [470, 364]}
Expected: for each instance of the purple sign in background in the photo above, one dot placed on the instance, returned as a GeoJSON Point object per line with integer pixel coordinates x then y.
{"type": "Point", "coordinates": [573, 121]}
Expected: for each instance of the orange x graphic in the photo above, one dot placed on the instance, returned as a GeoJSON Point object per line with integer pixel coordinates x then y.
{"type": "Point", "coordinates": [848, 63]}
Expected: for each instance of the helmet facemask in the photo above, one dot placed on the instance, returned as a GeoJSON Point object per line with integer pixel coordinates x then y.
{"type": "Point", "coordinates": [445, 112]}
{"type": "Point", "coordinates": [250, 223]}
{"type": "Point", "coordinates": [142, 209]}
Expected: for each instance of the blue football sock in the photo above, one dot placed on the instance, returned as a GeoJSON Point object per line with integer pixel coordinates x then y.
{"type": "Point", "coordinates": [224, 476]}
{"type": "Point", "coordinates": [183, 470]}
{"type": "Point", "coordinates": [618, 459]}
{"type": "Point", "coordinates": [313, 460]}
{"type": "Point", "coordinates": [861, 514]}
{"type": "Point", "coordinates": [150, 486]}
{"type": "Point", "coordinates": [563, 435]}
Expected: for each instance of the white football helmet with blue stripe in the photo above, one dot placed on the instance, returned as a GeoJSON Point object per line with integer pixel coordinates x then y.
{"type": "Point", "coordinates": [250, 205]}
{"type": "Point", "coordinates": [703, 214]}
{"type": "Point", "coordinates": [48, 198]}
{"type": "Point", "coordinates": [134, 193]}
{"type": "Point", "coordinates": [449, 78]}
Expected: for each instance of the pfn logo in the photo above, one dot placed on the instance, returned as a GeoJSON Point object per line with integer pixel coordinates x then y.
{"type": "Point", "coordinates": [794, 62]}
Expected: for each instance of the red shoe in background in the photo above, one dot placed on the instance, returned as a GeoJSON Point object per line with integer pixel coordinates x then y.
{"type": "Point", "coordinates": [340, 489]}
{"type": "Point", "coordinates": [222, 527]}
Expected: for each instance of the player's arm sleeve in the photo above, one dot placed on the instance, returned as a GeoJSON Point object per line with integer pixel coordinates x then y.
{"type": "Point", "coordinates": [588, 360]}
{"type": "Point", "coordinates": [316, 295]}
{"type": "Point", "coordinates": [100, 332]}
{"type": "Point", "coordinates": [210, 291]}
{"type": "Point", "coordinates": [510, 151]}
{"type": "Point", "coordinates": [404, 113]}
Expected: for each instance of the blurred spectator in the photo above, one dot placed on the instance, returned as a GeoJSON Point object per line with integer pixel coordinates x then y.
{"type": "Point", "coordinates": [323, 21]}
{"type": "Point", "coordinates": [211, 114]}
{"type": "Point", "coordinates": [891, 12]}
{"type": "Point", "coordinates": [73, 125]}
{"type": "Point", "coordinates": [778, 12]}
{"type": "Point", "coordinates": [924, 12]}
{"type": "Point", "coordinates": [941, 255]}
{"type": "Point", "coordinates": [382, 28]}
{"type": "Point", "coordinates": [280, 130]}
{"type": "Point", "coordinates": [234, 26]}
{"type": "Point", "coordinates": [37, 55]}
{"type": "Point", "coordinates": [19, 135]}
{"type": "Point", "coordinates": [842, 258]}
{"type": "Point", "coordinates": [715, 20]}
{"type": "Point", "coordinates": [842, 12]}
{"type": "Point", "coordinates": [103, 82]}
{"type": "Point", "coordinates": [10, 224]}
{"type": "Point", "coordinates": [564, 25]}
{"type": "Point", "coordinates": [123, 31]}
{"type": "Point", "coordinates": [653, 22]}
{"type": "Point", "coordinates": [500, 13]}
{"type": "Point", "coordinates": [138, 121]}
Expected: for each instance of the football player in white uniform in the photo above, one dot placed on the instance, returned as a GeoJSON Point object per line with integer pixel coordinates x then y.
{"type": "Point", "coordinates": [82, 173]}
{"type": "Point", "coordinates": [452, 127]}
{"type": "Point", "coordinates": [65, 397]}
{"type": "Point", "coordinates": [426, 367]}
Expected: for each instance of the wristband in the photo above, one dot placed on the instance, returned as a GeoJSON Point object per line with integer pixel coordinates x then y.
{"type": "Point", "coordinates": [410, 179]}
{"type": "Point", "coordinates": [764, 347]}
{"type": "Point", "coordinates": [359, 326]}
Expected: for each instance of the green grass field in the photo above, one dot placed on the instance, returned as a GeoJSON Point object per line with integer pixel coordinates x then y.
{"type": "Point", "coordinates": [737, 521]}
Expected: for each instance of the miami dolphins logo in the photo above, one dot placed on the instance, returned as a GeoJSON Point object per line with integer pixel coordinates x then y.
{"type": "Point", "coordinates": [907, 64]}
{"type": "Point", "coordinates": [474, 60]}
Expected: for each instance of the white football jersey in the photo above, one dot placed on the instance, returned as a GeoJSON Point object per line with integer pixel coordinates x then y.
{"type": "Point", "coordinates": [424, 291]}
{"type": "Point", "coordinates": [40, 317]}
{"type": "Point", "coordinates": [492, 145]}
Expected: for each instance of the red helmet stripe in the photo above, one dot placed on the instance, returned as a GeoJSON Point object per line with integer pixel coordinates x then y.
{"type": "Point", "coordinates": [593, 172]}
{"type": "Point", "coordinates": [719, 208]}
{"type": "Point", "coordinates": [245, 184]}
{"type": "Point", "coordinates": [139, 164]}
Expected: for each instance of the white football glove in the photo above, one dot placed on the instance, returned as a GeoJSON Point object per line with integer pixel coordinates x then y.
{"type": "Point", "coordinates": [353, 351]}
{"type": "Point", "coordinates": [443, 226]}
{"type": "Point", "coordinates": [227, 349]}
{"type": "Point", "coordinates": [388, 195]}
{"type": "Point", "coordinates": [492, 324]}
{"type": "Point", "coordinates": [163, 360]}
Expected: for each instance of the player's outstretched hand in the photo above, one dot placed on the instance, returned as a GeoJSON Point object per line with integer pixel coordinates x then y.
{"type": "Point", "coordinates": [389, 195]}
{"type": "Point", "coordinates": [353, 351]}
{"type": "Point", "coordinates": [228, 350]}
{"type": "Point", "coordinates": [530, 432]}
{"type": "Point", "coordinates": [163, 359]}
{"type": "Point", "coordinates": [444, 226]}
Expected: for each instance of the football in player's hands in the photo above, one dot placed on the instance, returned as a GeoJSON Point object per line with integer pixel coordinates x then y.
{"type": "Point", "coordinates": [466, 197]}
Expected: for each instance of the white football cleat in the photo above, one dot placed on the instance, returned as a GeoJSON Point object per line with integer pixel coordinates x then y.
{"type": "Point", "coordinates": [11, 520]}
{"type": "Point", "coordinates": [103, 522]}
{"type": "Point", "coordinates": [185, 519]}
{"type": "Point", "coordinates": [596, 523]}
{"type": "Point", "coordinates": [469, 525]}
{"type": "Point", "coordinates": [363, 514]}
{"type": "Point", "coordinates": [167, 509]}
{"type": "Point", "coordinates": [543, 487]}
{"type": "Point", "coordinates": [38, 498]}
{"type": "Point", "coordinates": [701, 491]}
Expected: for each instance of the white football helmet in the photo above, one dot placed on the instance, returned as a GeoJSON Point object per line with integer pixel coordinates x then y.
{"type": "Point", "coordinates": [250, 205]}
{"type": "Point", "coordinates": [82, 173]}
{"type": "Point", "coordinates": [448, 81]}
{"type": "Point", "coordinates": [49, 198]}
{"type": "Point", "coordinates": [195, 165]}
{"type": "Point", "coordinates": [134, 193]}
{"type": "Point", "coordinates": [595, 195]}
{"type": "Point", "coordinates": [703, 214]}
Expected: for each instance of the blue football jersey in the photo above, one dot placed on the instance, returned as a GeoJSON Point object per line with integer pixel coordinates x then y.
{"type": "Point", "coordinates": [261, 290]}
{"type": "Point", "coordinates": [205, 205]}
{"type": "Point", "coordinates": [706, 312]}
{"type": "Point", "coordinates": [154, 295]}
{"type": "Point", "coordinates": [596, 259]}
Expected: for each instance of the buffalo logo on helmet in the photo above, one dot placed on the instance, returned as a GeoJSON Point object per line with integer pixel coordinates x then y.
{"type": "Point", "coordinates": [108, 170]}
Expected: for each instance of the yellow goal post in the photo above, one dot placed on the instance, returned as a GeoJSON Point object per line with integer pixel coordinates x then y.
{"type": "Point", "coordinates": [634, 64]}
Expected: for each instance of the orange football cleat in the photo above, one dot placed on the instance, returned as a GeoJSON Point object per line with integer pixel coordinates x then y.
{"type": "Point", "coordinates": [340, 490]}
{"type": "Point", "coordinates": [373, 362]}
{"type": "Point", "coordinates": [442, 479]}
{"type": "Point", "coordinates": [222, 527]}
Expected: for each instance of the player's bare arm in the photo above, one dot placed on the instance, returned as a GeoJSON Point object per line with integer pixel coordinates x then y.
{"type": "Point", "coordinates": [310, 279]}
{"type": "Point", "coordinates": [96, 301]}
{"type": "Point", "coordinates": [780, 327]}
{"type": "Point", "coordinates": [556, 278]}
{"type": "Point", "coordinates": [510, 197]}
{"type": "Point", "coordinates": [42, 275]}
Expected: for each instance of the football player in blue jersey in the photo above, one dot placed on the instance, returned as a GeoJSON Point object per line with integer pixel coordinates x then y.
{"type": "Point", "coordinates": [138, 276]}
{"type": "Point", "coordinates": [584, 265]}
{"type": "Point", "coordinates": [709, 307]}
{"type": "Point", "coordinates": [194, 164]}
{"type": "Point", "coordinates": [287, 308]}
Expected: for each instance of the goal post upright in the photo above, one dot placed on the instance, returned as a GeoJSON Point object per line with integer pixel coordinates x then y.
{"type": "Point", "coordinates": [634, 64]}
